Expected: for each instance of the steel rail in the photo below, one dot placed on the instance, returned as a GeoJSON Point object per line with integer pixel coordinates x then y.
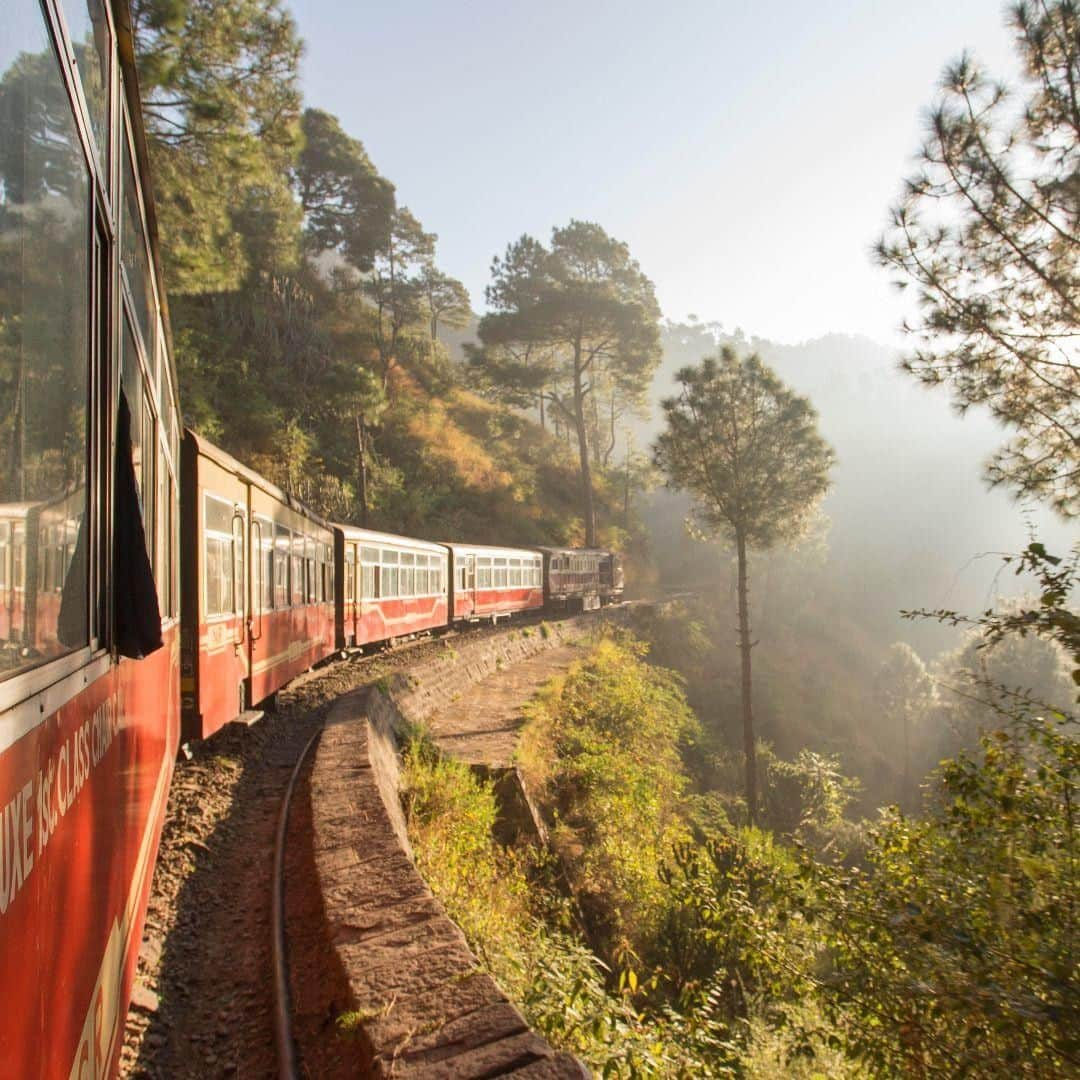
{"type": "Point", "coordinates": [288, 1068]}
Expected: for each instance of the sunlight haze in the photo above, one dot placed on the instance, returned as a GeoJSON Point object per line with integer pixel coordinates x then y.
{"type": "Point", "coordinates": [747, 153]}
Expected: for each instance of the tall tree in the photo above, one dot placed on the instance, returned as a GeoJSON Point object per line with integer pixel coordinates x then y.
{"type": "Point", "coordinates": [586, 303]}
{"type": "Point", "coordinates": [748, 449]}
{"type": "Point", "coordinates": [394, 286]}
{"type": "Point", "coordinates": [988, 234]}
{"type": "Point", "coordinates": [446, 300]}
{"type": "Point", "coordinates": [221, 100]}
{"type": "Point", "coordinates": [905, 693]}
{"type": "Point", "coordinates": [348, 207]}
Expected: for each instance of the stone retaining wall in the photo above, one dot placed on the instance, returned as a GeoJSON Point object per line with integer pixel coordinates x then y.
{"type": "Point", "coordinates": [420, 1004]}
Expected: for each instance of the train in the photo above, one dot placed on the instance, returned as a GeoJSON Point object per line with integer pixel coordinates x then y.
{"type": "Point", "coordinates": [269, 588]}
{"type": "Point", "coordinates": [152, 588]}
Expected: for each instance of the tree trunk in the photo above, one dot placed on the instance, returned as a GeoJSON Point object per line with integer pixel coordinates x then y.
{"type": "Point", "coordinates": [361, 468]}
{"type": "Point", "coordinates": [745, 645]}
{"type": "Point", "coordinates": [588, 508]}
{"type": "Point", "coordinates": [543, 426]}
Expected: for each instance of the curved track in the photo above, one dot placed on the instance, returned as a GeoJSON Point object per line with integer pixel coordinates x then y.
{"type": "Point", "coordinates": [212, 956]}
{"type": "Point", "coordinates": [286, 1045]}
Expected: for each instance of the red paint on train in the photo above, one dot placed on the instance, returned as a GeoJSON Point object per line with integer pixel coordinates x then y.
{"type": "Point", "coordinates": [378, 620]}
{"type": "Point", "coordinates": [483, 603]}
{"type": "Point", "coordinates": [82, 800]}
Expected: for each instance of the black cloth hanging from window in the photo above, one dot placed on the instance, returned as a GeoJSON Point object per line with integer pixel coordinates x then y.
{"type": "Point", "coordinates": [136, 616]}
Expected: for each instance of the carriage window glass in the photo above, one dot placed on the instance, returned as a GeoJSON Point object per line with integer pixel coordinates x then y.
{"type": "Point", "coordinates": [309, 564]}
{"type": "Point", "coordinates": [219, 575]}
{"type": "Point", "coordinates": [45, 235]}
{"type": "Point", "coordinates": [389, 558]}
{"type": "Point", "coordinates": [282, 544]}
{"type": "Point", "coordinates": [133, 255]}
{"type": "Point", "coordinates": [368, 582]}
{"type": "Point", "coordinates": [369, 555]}
{"type": "Point", "coordinates": [263, 534]}
{"type": "Point", "coordinates": [297, 569]}
{"type": "Point", "coordinates": [164, 519]}
{"type": "Point", "coordinates": [89, 30]}
{"type": "Point", "coordinates": [5, 554]}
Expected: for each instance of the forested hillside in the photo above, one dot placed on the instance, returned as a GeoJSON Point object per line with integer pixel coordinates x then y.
{"type": "Point", "coordinates": [316, 337]}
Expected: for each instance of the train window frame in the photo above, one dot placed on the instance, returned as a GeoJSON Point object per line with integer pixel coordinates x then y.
{"type": "Point", "coordinates": [266, 562]}
{"type": "Point", "coordinates": [226, 556]}
{"type": "Point", "coordinates": [282, 562]}
{"type": "Point", "coordinates": [100, 150]}
{"type": "Point", "coordinates": [296, 570]}
{"type": "Point", "coordinates": [24, 682]}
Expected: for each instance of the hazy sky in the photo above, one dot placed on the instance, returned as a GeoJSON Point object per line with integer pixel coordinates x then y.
{"type": "Point", "coordinates": [747, 152]}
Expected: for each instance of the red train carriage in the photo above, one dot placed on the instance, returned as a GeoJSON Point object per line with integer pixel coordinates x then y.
{"type": "Point", "coordinates": [391, 586]}
{"type": "Point", "coordinates": [490, 582]}
{"type": "Point", "coordinates": [87, 537]}
{"type": "Point", "coordinates": [258, 588]}
{"type": "Point", "coordinates": [581, 578]}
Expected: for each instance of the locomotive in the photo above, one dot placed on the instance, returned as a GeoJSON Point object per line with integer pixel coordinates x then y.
{"type": "Point", "coordinates": [152, 588]}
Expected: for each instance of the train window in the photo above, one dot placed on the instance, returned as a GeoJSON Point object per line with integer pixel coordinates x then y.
{"type": "Point", "coordinates": [309, 565]}
{"type": "Point", "coordinates": [297, 569]}
{"type": "Point", "coordinates": [133, 254]}
{"type": "Point", "coordinates": [164, 534]}
{"type": "Point", "coordinates": [282, 544]}
{"type": "Point", "coordinates": [220, 564]}
{"type": "Point", "coordinates": [262, 542]}
{"type": "Point", "coordinates": [89, 30]}
{"type": "Point", "coordinates": [45, 303]}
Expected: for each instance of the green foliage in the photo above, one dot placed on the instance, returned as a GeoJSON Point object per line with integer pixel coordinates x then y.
{"type": "Point", "coordinates": [986, 234]}
{"type": "Point", "coordinates": [747, 448]}
{"type": "Point", "coordinates": [734, 929]}
{"type": "Point", "coordinates": [519, 926]}
{"type": "Point", "coordinates": [601, 747]}
{"type": "Point", "coordinates": [348, 206]}
{"type": "Point", "coordinates": [574, 323]}
{"type": "Point", "coordinates": [957, 949]}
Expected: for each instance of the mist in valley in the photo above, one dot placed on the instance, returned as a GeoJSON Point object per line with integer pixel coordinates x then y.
{"type": "Point", "coordinates": [909, 523]}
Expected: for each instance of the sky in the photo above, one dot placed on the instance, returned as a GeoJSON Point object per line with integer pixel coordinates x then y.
{"type": "Point", "coordinates": [747, 153]}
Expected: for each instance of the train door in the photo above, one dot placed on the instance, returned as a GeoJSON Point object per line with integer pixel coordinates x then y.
{"type": "Point", "coordinates": [261, 564]}
{"type": "Point", "coordinates": [242, 583]}
{"type": "Point", "coordinates": [470, 585]}
{"type": "Point", "coordinates": [350, 593]}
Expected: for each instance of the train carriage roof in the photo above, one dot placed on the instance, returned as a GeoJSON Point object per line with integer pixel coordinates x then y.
{"type": "Point", "coordinates": [574, 551]}
{"type": "Point", "coordinates": [227, 462]}
{"type": "Point", "coordinates": [493, 550]}
{"type": "Point", "coordinates": [381, 539]}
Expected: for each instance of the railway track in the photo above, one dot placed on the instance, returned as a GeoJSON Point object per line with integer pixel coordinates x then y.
{"type": "Point", "coordinates": [218, 993]}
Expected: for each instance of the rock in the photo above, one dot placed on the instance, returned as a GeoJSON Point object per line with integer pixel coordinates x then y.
{"type": "Point", "coordinates": [144, 999]}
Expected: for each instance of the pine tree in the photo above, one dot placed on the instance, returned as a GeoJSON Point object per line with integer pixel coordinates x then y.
{"type": "Point", "coordinates": [988, 235]}
{"type": "Point", "coordinates": [748, 449]}
{"type": "Point", "coordinates": [587, 317]}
